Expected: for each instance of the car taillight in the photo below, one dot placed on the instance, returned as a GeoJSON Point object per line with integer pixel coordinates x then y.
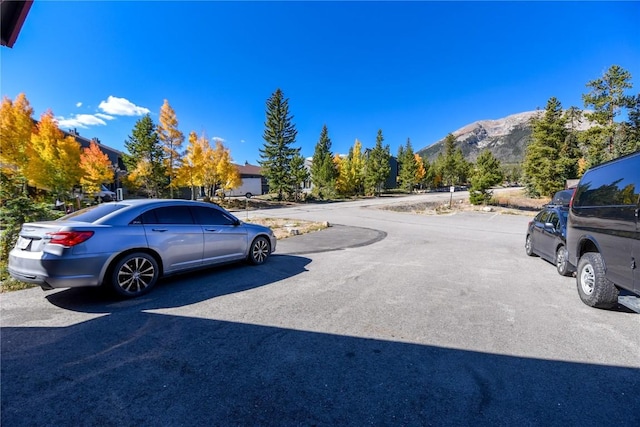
{"type": "Point", "coordinates": [69, 238]}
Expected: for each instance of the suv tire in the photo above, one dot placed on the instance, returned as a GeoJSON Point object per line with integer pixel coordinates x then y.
{"type": "Point", "coordinates": [594, 288]}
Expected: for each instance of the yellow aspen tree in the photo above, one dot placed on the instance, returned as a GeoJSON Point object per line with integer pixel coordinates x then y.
{"type": "Point", "coordinates": [190, 171]}
{"type": "Point", "coordinates": [211, 158]}
{"type": "Point", "coordinates": [16, 127]}
{"type": "Point", "coordinates": [171, 139]}
{"type": "Point", "coordinates": [53, 159]}
{"type": "Point", "coordinates": [138, 178]}
{"type": "Point", "coordinates": [342, 181]}
{"type": "Point", "coordinates": [96, 168]}
{"type": "Point", "coordinates": [356, 172]}
{"type": "Point", "coordinates": [420, 172]}
{"type": "Point", "coordinates": [227, 171]}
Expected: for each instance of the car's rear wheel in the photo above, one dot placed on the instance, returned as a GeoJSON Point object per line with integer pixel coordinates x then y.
{"type": "Point", "coordinates": [134, 275]}
{"type": "Point", "coordinates": [259, 251]}
{"type": "Point", "coordinates": [594, 288]}
{"type": "Point", "coordinates": [562, 264]}
{"type": "Point", "coordinates": [528, 246]}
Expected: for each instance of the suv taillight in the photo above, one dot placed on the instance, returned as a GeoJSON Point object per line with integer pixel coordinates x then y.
{"type": "Point", "coordinates": [69, 238]}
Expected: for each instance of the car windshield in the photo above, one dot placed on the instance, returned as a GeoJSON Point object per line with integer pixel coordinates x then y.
{"type": "Point", "coordinates": [92, 213]}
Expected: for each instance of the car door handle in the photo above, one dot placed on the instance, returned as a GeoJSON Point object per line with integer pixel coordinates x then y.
{"type": "Point", "coordinates": [210, 229]}
{"type": "Point", "coordinates": [161, 230]}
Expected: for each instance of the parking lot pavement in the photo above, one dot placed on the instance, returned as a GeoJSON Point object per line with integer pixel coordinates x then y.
{"type": "Point", "coordinates": [444, 321]}
{"type": "Point", "coordinates": [336, 237]}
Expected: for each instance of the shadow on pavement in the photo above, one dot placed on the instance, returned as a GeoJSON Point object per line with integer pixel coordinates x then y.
{"type": "Point", "coordinates": [185, 289]}
{"type": "Point", "coordinates": [142, 369]}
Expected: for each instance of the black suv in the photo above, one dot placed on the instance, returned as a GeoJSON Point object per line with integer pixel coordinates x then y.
{"type": "Point", "coordinates": [603, 232]}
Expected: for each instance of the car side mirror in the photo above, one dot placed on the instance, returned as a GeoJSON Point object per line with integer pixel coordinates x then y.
{"type": "Point", "coordinates": [549, 225]}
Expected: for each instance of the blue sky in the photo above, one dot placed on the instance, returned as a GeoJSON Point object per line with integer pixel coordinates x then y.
{"type": "Point", "coordinates": [414, 69]}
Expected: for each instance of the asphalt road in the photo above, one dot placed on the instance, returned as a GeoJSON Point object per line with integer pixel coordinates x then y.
{"type": "Point", "coordinates": [385, 319]}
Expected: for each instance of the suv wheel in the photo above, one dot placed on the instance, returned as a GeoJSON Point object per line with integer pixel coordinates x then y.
{"type": "Point", "coordinates": [594, 288]}
{"type": "Point", "coordinates": [562, 265]}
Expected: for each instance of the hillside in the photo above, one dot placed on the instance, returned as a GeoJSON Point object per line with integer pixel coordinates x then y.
{"type": "Point", "coordinates": [506, 138]}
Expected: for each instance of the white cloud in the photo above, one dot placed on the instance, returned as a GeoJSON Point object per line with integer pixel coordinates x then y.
{"type": "Point", "coordinates": [217, 138]}
{"type": "Point", "coordinates": [122, 107]}
{"type": "Point", "coordinates": [104, 116]}
{"type": "Point", "coordinates": [78, 104]}
{"type": "Point", "coordinates": [80, 121]}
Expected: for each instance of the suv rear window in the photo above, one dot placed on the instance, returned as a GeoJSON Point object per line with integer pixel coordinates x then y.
{"type": "Point", "coordinates": [613, 186]}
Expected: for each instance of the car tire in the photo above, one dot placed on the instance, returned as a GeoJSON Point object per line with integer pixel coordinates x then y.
{"type": "Point", "coordinates": [562, 262]}
{"type": "Point", "coordinates": [528, 246]}
{"type": "Point", "coordinates": [134, 275]}
{"type": "Point", "coordinates": [259, 251]}
{"type": "Point", "coordinates": [594, 288]}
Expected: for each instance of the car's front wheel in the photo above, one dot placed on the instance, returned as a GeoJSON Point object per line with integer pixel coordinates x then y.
{"type": "Point", "coordinates": [259, 251]}
{"type": "Point", "coordinates": [134, 275]}
{"type": "Point", "coordinates": [594, 288]}
{"type": "Point", "coordinates": [562, 265]}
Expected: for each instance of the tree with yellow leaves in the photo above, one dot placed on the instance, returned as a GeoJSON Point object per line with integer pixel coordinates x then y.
{"type": "Point", "coordinates": [96, 168]}
{"type": "Point", "coordinates": [171, 139]}
{"type": "Point", "coordinates": [189, 174]}
{"type": "Point", "coordinates": [227, 171]}
{"type": "Point", "coordinates": [351, 171]}
{"type": "Point", "coordinates": [53, 159]}
{"type": "Point", "coordinates": [16, 127]}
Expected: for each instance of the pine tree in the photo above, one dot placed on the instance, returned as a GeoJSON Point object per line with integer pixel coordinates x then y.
{"type": "Point", "coordinates": [631, 128]}
{"type": "Point", "coordinates": [377, 168]}
{"type": "Point", "coordinates": [487, 173]}
{"type": "Point", "coordinates": [323, 169]}
{"type": "Point", "coordinates": [279, 136]}
{"type": "Point", "coordinates": [544, 166]}
{"type": "Point", "coordinates": [408, 167]}
{"type": "Point", "coordinates": [145, 156]}
{"type": "Point", "coordinates": [299, 174]}
{"type": "Point", "coordinates": [607, 98]}
{"type": "Point", "coordinates": [452, 168]}
{"type": "Point", "coordinates": [171, 139]}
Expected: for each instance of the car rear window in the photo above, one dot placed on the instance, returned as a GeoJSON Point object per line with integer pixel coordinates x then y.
{"type": "Point", "coordinates": [92, 213]}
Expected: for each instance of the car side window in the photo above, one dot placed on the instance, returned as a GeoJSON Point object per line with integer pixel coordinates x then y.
{"type": "Point", "coordinates": [542, 216]}
{"type": "Point", "coordinates": [169, 215]}
{"type": "Point", "coordinates": [611, 186]}
{"type": "Point", "coordinates": [211, 216]}
{"type": "Point", "coordinates": [553, 219]}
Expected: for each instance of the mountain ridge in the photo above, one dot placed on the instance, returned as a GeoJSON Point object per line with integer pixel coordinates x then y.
{"type": "Point", "coordinates": [506, 138]}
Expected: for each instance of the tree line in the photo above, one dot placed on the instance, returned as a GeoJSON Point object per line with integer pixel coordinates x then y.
{"type": "Point", "coordinates": [559, 150]}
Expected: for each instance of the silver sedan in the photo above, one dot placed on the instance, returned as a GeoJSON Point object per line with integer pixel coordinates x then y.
{"type": "Point", "coordinates": [130, 244]}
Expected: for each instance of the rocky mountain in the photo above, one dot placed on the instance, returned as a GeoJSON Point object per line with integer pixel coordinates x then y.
{"type": "Point", "coordinates": [506, 138]}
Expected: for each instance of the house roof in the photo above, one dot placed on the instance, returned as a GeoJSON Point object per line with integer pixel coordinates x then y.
{"type": "Point", "coordinates": [248, 169]}
{"type": "Point", "coordinates": [12, 16]}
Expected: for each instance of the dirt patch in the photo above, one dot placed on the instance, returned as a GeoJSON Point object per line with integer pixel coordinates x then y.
{"type": "Point", "coordinates": [283, 227]}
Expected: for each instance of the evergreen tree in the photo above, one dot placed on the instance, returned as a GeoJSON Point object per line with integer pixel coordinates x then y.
{"type": "Point", "coordinates": [279, 135]}
{"type": "Point", "coordinates": [299, 174]}
{"type": "Point", "coordinates": [323, 168]}
{"type": "Point", "coordinates": [452, 168]}
{"type": "Point", "coordinates": [544, 166]}
{"type": "Point", "coordinates": [631, 128]}
{"type": "Point", "coordinates": [377, 167]}
{"type": "Point", "coordinates": [408, 167]}
{"type": "Point", "coordinates": [486, 174]}
{"type": "Point", "coordinates": [607, 98]}
{"type": "Point", "coordinates": [145, 156]}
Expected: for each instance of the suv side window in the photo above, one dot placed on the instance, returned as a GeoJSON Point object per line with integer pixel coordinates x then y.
{"type": "Point", "coordinates": [619, 186]}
